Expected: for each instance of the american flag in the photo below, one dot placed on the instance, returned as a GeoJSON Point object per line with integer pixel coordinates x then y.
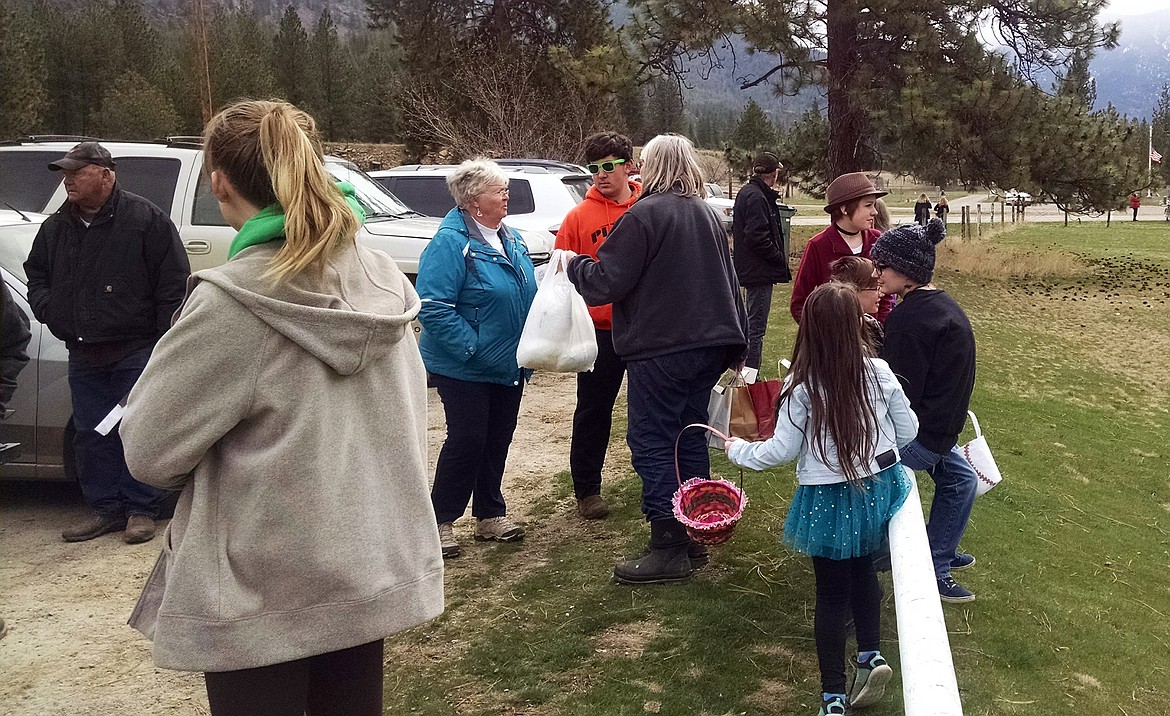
{"type": "Point", "coordinates": [1154, 156]}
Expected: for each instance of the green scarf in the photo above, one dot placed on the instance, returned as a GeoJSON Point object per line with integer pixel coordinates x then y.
{"type": "Point", "coordinates": [268, 225]}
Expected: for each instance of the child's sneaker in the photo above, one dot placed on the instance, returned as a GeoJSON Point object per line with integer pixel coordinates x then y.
{"type": "Point", "coordinates": [869, 682]}
{"type": "Point", "coordinates": [832, 707]}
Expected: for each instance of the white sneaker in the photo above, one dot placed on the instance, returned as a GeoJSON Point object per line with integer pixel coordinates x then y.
{"type": "Point", "coordinates": [447, 540]}
{"type": "Point", "coordinates": [500, 529]}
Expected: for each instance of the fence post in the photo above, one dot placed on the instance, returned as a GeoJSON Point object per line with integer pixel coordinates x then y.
{"type": "Point", "coordinates": [1001, 213]}
{"type": "Point", "coordinates": [979, 219]}
{"type": "Point", "coordinates": [929, 687]}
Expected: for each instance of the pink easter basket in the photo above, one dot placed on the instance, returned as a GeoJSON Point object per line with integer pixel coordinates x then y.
{"type": "Point", "coordinates": [708, 508]}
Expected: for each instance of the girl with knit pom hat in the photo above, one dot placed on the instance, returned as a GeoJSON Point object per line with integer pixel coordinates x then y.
{"type": "Point", "coordinates": [931, 348]}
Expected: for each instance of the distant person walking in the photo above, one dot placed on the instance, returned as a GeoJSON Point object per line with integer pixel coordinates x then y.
{"type": "Point", "coordinates": [289, 404]}
{"type": "Point", "coordinates": [678, 322]}
{"type": "Point", "coordinates": [610, 158]}
{"type": "Point", "coordinates": [842, 415]}
{"type": "Point", "coordinates": [922, 210]}
{"type": "Point", "coordinates": [105, 274]}
{"type": "Point", "coordinates": [761, 251]}
{"type": "Point", "coordinates": [942, 208]}
{"type": "Point", "coordinates": [1135, 203]}
{"type": "Point", "coordinates": [931, 348]}
{"type": "Point", "coordinates": [851, 203]}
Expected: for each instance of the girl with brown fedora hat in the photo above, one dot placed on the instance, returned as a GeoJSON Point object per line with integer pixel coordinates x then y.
{"type": "Point", "coordinates": [850, 201]}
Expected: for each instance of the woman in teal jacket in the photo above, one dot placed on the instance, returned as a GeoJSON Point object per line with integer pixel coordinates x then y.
{"type": "Point", "coordinates": [476, 282]}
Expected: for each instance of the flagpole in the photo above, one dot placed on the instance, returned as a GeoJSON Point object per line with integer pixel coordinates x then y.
{"type": "Point", "coordinates": [1150, 163]}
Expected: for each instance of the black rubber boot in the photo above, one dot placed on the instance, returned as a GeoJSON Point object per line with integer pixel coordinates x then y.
{"type": "Point", "coordinates": [667, 560]}
{"type": "Point", "coordinates": [698, 554]}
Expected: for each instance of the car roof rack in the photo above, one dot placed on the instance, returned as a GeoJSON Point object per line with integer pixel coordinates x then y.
{"type": "Point", "coordinates": [545, 163]}
{"type": "Point", "coordinates": [182, 140]}
{"type": "Point", "coordinates": [35, 138]}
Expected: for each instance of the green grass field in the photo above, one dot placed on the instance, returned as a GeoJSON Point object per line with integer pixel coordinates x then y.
{"type": "Point", "coordinates": [1073, 608]}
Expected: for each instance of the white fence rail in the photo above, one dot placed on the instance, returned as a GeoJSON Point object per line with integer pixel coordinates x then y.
{"type": "Point", "coordinates": [928, 673]}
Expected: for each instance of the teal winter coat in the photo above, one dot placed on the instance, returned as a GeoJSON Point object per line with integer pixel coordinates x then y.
{"type": "Point", "coordinates": [474, 302]}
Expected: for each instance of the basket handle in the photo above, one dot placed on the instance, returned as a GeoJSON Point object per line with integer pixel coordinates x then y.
{"type": "Point", "coordinates": [975, 422]}
{"type": "Point", "coordinates": [708, 428]}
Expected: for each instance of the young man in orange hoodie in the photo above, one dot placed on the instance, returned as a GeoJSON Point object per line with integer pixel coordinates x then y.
{"type": "Point", "coordinates": [610, 158]}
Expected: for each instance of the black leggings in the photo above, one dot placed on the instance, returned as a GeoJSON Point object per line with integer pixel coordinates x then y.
{"type": "Point", "coordinates": [340, 683]}
{"type": "Point", "coordinates": [844, 585]}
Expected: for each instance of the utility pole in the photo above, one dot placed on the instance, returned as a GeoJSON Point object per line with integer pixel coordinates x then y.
{"type": "Point", "coordinates": [203, 69]}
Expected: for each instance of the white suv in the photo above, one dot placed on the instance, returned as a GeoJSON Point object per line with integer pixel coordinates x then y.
{"type": "Point", "coordinates": [539, 193]}
{"type": "Point", "coordinates": [170, 174]}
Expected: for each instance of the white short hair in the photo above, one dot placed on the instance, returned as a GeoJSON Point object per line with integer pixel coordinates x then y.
{"type": "Point", "coordinates": [472, 178]}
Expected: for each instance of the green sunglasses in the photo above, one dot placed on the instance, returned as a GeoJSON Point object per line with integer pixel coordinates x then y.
{"type": "Point", "coordinates": [607, 167]}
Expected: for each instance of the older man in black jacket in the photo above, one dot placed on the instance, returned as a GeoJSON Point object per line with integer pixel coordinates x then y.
{"type": "Point", "coordinates": [106, 272]}
{"type": "Point", "coordinates": [760, 254]}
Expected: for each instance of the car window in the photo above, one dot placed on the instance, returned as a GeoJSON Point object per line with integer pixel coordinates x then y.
{"type": "Point", "coordinates": [205, 211]}
{"type": "Point", "coordinates": [25, 180]}
{"type": "Point", "coordinates": [153, 178]}
{"type": "Point", "coordinates": [426, 195]}
{"type": "Point", "coordinates": [577, 186]}
{"type": "Point", "coordinates": [520, 199]}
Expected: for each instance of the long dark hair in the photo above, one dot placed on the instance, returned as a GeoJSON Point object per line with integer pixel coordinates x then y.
{"type": "Point", "coordinates": [829, 361]}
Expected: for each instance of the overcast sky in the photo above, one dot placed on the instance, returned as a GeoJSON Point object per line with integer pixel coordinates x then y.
{"type": "Point", "coordinates": [1136, 7]}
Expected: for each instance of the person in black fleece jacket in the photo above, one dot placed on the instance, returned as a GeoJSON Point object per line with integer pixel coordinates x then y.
{"type": "Point", "coordinates": [678, 322]}
{"type": "Point", "coordinates": [931, 348]}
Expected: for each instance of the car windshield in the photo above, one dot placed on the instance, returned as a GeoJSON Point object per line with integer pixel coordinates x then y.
{"type": "Point", "coordinates": [377, 202]}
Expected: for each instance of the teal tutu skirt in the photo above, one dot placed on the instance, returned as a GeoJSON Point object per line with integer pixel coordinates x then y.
{"type": "Point", "coordinates": [841, 521]}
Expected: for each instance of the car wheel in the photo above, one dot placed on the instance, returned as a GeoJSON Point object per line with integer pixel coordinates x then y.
{"type": "Point", "coordinates": [68, 456]}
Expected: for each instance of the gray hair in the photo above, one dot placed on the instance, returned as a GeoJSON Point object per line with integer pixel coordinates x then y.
{"type": "Point", "coordinates": [472, 178]}
{"type": "Point", "coordinates": [669, 163]}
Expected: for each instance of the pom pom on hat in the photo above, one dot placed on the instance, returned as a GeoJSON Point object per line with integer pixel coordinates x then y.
{"type": "Point", "coordinates": [909, 249]}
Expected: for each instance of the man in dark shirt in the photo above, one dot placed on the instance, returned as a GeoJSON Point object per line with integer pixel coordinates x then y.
{"type": "Point", "coordinates": [760, 255]}
{"type": "Point", "coordinates": [931, 348]}
{"type": "Point", "coordinates": [106, 272]}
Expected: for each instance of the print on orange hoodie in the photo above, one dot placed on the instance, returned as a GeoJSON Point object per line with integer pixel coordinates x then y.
{"type": "Point", "coordinates": [586, 228]}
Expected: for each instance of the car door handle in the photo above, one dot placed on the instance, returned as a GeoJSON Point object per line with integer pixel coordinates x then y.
{"type": "Point", "coordinates": [197, 247]}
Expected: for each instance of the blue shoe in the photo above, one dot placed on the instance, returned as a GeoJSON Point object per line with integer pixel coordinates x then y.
{"type": "Point", "coordinates": [832, 707]}
{"type": "Point", "coordinates": [951, 591]}
{"type": "Point", "coordinates": [869, 681]}
{"type": "Point", "coordinates": [962, 560]}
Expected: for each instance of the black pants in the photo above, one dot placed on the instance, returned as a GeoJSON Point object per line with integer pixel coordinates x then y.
{"type": "Point", "coordinates": [481, 418]}
{"type": "Point", "coordinates": [844, 586]}
{"type": "Point", "coordinates": [340, 683]}
{"type": "Point", "coordinates": [759, 305]}
{"type": "Point", "coordinates": [593, 418]}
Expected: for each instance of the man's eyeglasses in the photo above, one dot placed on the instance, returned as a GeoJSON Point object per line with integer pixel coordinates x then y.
{"type": "Point", "coordinates": [606, 167]}
{"type": "Point", "coordinates": [879, 266]}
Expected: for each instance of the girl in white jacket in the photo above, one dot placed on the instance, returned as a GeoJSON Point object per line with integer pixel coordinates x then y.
{"type": "Point", "coordinates": [843, 416]}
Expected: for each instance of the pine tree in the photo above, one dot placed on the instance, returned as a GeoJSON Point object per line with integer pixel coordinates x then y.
{"type": "Point", "coordinates": [291, 62]}
{"type": "Point", "coordinates": [1160, 122]}
{"type": "Point", "coordinates": [134, 109]}
{"type": "Point", "coordinates": [334, 75]}
{"type": "Point", "coordinates": [754, 132]}
{"type": "Point", "coordinates": [24, 101]}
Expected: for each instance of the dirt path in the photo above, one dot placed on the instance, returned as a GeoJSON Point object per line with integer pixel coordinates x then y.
{"type": "Point", "coordinates": [69, 650]}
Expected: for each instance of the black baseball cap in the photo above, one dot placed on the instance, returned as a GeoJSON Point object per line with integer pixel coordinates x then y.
{"type": "Point", "coordinates": [766, 163]}
{"type": "Point", "coordinates": [82, 154]}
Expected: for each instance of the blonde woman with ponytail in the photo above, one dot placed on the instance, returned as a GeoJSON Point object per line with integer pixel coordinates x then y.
{"type": "Point", "coordinates": [288, 403]}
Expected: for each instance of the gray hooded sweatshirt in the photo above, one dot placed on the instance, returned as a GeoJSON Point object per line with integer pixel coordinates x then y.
{"type": "Point", "coordinates": [293, 418]}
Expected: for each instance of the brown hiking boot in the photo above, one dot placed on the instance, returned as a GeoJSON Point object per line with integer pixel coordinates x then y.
{"type": "Point", "coordinates": [139, 528]}
{"type": "Point", "coordinates": [593, 508]}
{"type": "Point", "coordinates": [447, 540]}
{"type": "Point", "coordinates": [94, 526]}
{"type": "Point", "coordinates": [499, 529]}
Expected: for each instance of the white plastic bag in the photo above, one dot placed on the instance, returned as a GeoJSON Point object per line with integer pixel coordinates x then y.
{"type": "Point", "coordinates": [558, 334]}
{"type": "Point", "coordinates": [978, 456]}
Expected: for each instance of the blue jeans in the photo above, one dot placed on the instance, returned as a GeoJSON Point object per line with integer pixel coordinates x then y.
{"type": "Point", "coordinates": [106, 482]}
{"type": "Point", "coordinates": [481, 419]}
{"type": "Point", "coordinates": [759, 305]}
{"type": "Point", "coordinates": [664, 394]}
{"type": "Point", "coordinates": [954, 496]}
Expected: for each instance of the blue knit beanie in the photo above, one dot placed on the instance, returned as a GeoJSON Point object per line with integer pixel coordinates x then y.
{"type": "Point", "coordinates": [909, 249]}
